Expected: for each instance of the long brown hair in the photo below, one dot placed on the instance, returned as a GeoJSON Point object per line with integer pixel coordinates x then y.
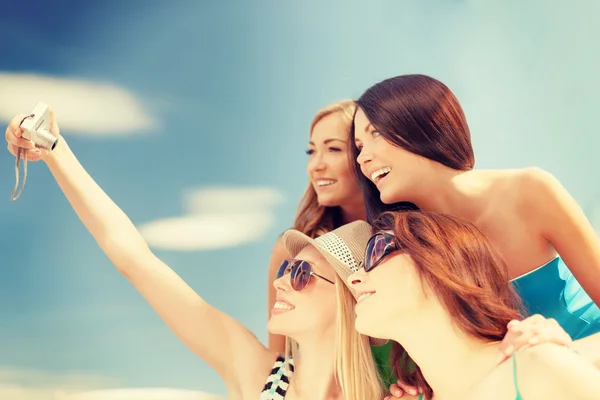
{"type": "Point", "coordinates": [421, 115]}
{"type": "Point", "coordinates": [312, 218]}
{"type": "Point", "coordinates": [463, 270]}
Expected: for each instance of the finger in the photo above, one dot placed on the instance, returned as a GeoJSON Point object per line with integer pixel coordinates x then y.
{"type": "Point", "coordinates": [12, 149]}
{"type": "Point", "coordinates": [34, 155]}
{"type": "Point", "coordinates": [535, 318]}
{"type": "Point", "coordinates": [513, 324]}
{"type": "Point", "coordinates": [407, 388]}
{"type": "Point", "coordinates": [53, 123]}
{"type": "Point", "coordinates": [19, 141]}
{"type": "Point", "coordinates": [395, 391]}
{"type": "Point", "coordinates": [509, 339]}
{"type": "Point", "coordinates": [506, 350]}
{"type": "Point", "coordinates": [15, 125]}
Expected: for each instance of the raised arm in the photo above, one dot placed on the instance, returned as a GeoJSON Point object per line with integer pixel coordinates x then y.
{"type": "Point", "coordinates": [279, 253]}
{"type": "Point", "coordinates": [226, 345]}
{"type": "Point", "coordinates": [562, 222]}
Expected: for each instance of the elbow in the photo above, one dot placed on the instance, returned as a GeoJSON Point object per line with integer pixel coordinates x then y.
{"type": "Point", "coordinates": [123, 252]}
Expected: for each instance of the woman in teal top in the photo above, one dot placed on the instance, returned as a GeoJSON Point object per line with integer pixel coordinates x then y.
{"type": "Point", "coordinates": [553, 291]}
{"type": "Point", "coordinates": [413, 150]}
{"type": "Point", "coordinates": [443, 275]}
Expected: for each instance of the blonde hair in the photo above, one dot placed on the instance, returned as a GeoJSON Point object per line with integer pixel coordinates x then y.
{"type": "Point", "coordinates": [355, 370]}
{"type": "Point", "coordinates": [312, 218]}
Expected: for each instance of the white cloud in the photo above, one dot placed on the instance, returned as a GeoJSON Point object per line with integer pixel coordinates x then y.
{"type": "Point", "coordinates": [82, 107]}
{"type": "Point", "coordinates": [22, 384]}
{"type": "Point", "coordinates": [143, 394]}
{"type": "Point", "coordinates": [218, 217]}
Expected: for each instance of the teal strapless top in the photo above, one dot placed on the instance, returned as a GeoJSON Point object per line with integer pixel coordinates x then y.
{"type": "Point", "coordinates": [553, 292]}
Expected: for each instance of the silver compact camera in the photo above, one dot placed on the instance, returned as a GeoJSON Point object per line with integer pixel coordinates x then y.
{"type": "Point", "coordinates": [36, 127]}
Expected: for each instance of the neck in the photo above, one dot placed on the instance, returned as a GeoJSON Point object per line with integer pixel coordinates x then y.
{"type": "Point", "coordinates": [314, 376]}
{"type": "Point", "coordinates": [353, 212]}
{"type": "Point", "coordinates": [451, 361]}
{"type": "Point", "coordinates": [454, 192]}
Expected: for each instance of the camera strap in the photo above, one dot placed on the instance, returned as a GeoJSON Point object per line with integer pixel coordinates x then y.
{"type": "Point", "coordinates": [15, 195]}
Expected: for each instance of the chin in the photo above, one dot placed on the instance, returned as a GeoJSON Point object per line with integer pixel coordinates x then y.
{"type": "Point", "coordinates": [277, 327]}
{"type": "Point", "coordinates": [362, 325]}
{"type": "Point", "coordinates": [328, 200]}
{"type": "Point", "coordinates": [389, 196]}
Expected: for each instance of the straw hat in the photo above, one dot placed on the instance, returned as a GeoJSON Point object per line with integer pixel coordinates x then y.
{"type": "Point", "coordinates": [344, 248]}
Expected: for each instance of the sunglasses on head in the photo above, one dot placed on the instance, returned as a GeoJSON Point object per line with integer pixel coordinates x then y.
{"type": "Point", "coordinates": [381, 245]}
{"type": "Point", "coordinates": [300, 273]}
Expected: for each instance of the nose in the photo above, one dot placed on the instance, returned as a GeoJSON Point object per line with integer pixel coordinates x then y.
{"type": "Point", "coordinates": [283, 284]}
{"type": "Point", "coordinates": [356, 278]}
{"type": "Point", "coordinates": [317, 163]}
{"type": "Point", "coordinates": [364, 157]}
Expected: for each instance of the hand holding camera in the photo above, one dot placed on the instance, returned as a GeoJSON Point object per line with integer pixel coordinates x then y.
{"type": "Point", "coordinates": [31, 137]}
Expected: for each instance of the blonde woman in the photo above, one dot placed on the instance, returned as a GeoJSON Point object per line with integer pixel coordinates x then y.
{"type": "Point", "coordinates": [313, 308]}
{"type": "Point", "coordinates": [332, 199]}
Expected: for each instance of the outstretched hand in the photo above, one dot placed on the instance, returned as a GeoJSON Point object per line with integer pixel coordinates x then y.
{"type": "Point", "coordinates": [15, 140]}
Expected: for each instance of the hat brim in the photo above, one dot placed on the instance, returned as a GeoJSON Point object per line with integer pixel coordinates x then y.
{"type": "Point", "coordinates": [295, 241]}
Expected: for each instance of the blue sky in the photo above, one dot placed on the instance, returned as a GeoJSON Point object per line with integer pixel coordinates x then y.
{"type": "Point", "coordinates": [216, 96]}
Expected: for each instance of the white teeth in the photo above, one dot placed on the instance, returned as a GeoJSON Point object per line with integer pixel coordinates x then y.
{"type": "Point", "coordinates": [325, 182]}
{"type": "Point", "coordinates": [280, 305]}
{"type": "Point", "coordinates": [363, 296]}
{"type": "Point", "coordinates": [379, 173]}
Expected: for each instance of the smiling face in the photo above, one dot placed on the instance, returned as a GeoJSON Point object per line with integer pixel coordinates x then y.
{"type": "Point", "coordinates": [312, 310]}
{"type": "Point", "coordinates": [394, 170]}
{"type": "Point", "coordinates": [328, 164]}
{"type": "Point", "coordinates": [391, 291]}
{"type": "Point", "coordinates": [423, 266]}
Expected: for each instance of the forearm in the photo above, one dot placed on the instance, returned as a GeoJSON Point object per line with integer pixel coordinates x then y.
{"type": "Point", "coordinates": [589, 347]}
{"type": "Point", "coordinates": [108, 224]}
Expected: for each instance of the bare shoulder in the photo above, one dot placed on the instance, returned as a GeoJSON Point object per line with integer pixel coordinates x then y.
{"type": "Point", "coordinates": [279, 250]}
{"type": "Point", "coordinates": [548, 371]}
{"type": "Point", "coordinates": [529, 188]}
{"type": "Point", "coordinates": [522, 179]}
{"type": "Point", "coordinates": [535, 176]}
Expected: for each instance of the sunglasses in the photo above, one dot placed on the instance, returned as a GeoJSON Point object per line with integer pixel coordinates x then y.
{"type": "Point", "coordinates": [381, 245]}
{"type": "Point", "coordinates": [300, 273]}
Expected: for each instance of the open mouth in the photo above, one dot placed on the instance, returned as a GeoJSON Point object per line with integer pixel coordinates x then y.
{"type": "Point", "coordinates": [281, 307]}
{"type": "Point", "coordinates": [381, 173]}
{"type": "Point", "coordinates": [364, 296]}
{"type": "Point", "coordinates": [325, 182]}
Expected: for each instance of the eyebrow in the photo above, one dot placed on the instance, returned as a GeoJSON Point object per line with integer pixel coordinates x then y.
{"type": "Point", "coordinates": [328, 141]}
{"type": "Point", "coordinates": [368, 126]}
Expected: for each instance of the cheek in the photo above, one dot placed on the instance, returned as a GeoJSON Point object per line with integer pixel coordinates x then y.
{"type": "Point", "coordinates": [310, 165]}
{"type": "Point", "coordinates": [341, 167]}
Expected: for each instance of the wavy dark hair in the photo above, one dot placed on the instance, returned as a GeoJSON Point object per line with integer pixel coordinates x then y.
{"type": "Point", "coordinates": [421, 115]}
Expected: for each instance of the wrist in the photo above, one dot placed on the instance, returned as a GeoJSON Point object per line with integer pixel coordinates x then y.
{"type": "Point", "coordinates": [52, 156]}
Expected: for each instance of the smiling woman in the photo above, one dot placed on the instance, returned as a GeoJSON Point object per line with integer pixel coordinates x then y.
{"type": "Point", "coordinates": [444, 276]}
{"type": "Point", "coordinates": [413, 144]}
{"type": "Point", "coordinates": [331, 199]}
{"type": "Point", "coordinates": [313, 312]}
